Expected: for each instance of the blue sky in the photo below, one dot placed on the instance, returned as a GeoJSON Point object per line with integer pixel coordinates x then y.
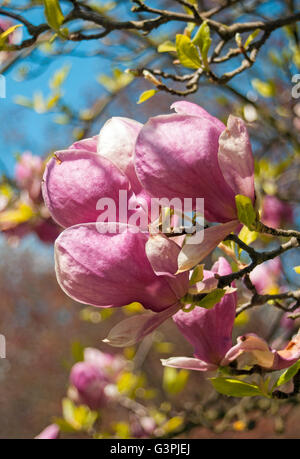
{"type": "Point", "coordinates": [23, 129]}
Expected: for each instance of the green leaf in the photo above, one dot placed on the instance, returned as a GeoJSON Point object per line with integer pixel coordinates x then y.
{"type": "Point", "coordinates": [287, 375]}
{"type": "Point", "coordinates": [53, 14]}
{"type": "Point", "coordinates": [173, 424]}
{"type": "Point", "coordinates": [251, 37]}
{"type": "Point", "coordinates": [235, 387]}
{"type": "Point", "coordinates": [203, 41]}
{"type": "Point", "coordinates": [247, 236]}
{"type": "Point", "coordinates": [79, 417]}
{"type": "Point", "coordinates": [212, 298]}
{"type": "Point", "coordinates": [146, 95]}
{"type": "Point", "coordinates": [187, 52]}
{"type": "Point", "coordinates": [265, 89]}
{"type": "Point", "coordinates": [245, 210]}
{"type": "Point", "coordinates": [174, 380]}
{"type": "Point", "coordinates": [166, 47]}
{"type": "Point", "coordinates": [4, 35]}
{"type": "Point", "coordinates": [197, 275]}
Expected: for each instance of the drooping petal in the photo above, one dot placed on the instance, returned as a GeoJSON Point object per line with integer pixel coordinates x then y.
{"type": "Point", "coordinates": [176, 157]}
{"type": "Point", "coordinates": [236, 159]}
{"type": "Point", "coordinates": [75, 180]}
{"type": "Point", "coordinates": [255, 346]}
{"type": "Point", "coordinates": [188, 363]}
{"type": "Point", "coordinates": [116, 142]}
{"type": "Point", "coordinates": [210, 330]}
{"type": "Point", "coordinates": [193, 253]}
{"type": "Point", "coordinates": [183, 107]}
{"type": "Point", "coordinates": [132, 330]}
{"type": "Point", "coordinates": [289, 355]}
{"type": "Point", "coordinates": [106, 265]}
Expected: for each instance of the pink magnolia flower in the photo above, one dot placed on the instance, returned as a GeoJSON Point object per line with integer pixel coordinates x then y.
{"type": "Point", "coordinates": [89, 381]}
{"type": "Point", "coordinates": [113, 264]}
{"type": "Point", "coordinates": [28, 173]}
{"type": "Point", "coordinates": [275, 212]}
{"type": "Point", "coordinates": [110, 364]}
{"type": "Point", "coordinates": [76, 179]}
{"type": "Point", "coordinates": [49, 433]}
{"type": "Point", "coordinates": [208, 330]}
{"type": "Point", "coordinates": [191, 154]}
{"type": "Point", "coordinates": [91, 377]}
{"type": "Point", "coordinates": [210, 333]}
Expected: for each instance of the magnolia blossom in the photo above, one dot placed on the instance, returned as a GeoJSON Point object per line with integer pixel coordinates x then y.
{"type": "Point", "coordinates": [191, 154]}
{"type": "Point", "coordinates": [92, 378]}
{"type": "Point", "coordinates": [275, 212]}
{"type": "Point", "coordinates": [113, 264]}
{"type": "Point", "coordinates": [210, 333]}
{"type": "Point", "coordinates": [80, 185]}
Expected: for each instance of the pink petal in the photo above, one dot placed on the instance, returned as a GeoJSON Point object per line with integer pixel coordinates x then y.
{"type": "Point", "coordinates": [89, 144]}
{"type": "Point", "coordinates": [236, 159]}
{"type": "Point", "coordinates": [116, 142]}
{"type": "Point", "coordinates": [75, 180]}
{"type": "Point", "coordinates": [130, 331]}
{"type": "Point", "coordinates": [106, 265]}
{"type": "Point", "coordinates": [210, 330]}
{"type": "Point", "coordinates": [176, 156]}
{"type": "Point", "coordinates": [188, 363]}
{"type": "Point", "coordinates": [192, 254]}
{"type": "Point", "coordinates": [49, 433]}
{"type": "Point", "coordinates": [162, 254]}
{"type": "Point", "coordinates": [183, 107]}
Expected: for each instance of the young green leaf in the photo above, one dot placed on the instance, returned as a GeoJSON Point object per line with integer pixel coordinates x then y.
{"type": "Point", "coordinates": [211, 298]}
{"type": "Point", "coordinates": [245, 210]}
{"type": "Point", "coordinates": [235, 387]}
{"type": "Point", "coordinates": [197, 275]}
{"type": "Point", "coordinates": [53, 14]}
{"type": "Point", "coordinates": [203, 41]}
{"type": "Point", "coordinates": [187, 52]}
{"type": "Point", "coordinates": [287, 375]}
{"type": "Point", "coordinates": [146, 95]}
{"type": "Point", "coordinates": [251, 37]}
{"type": "Point", "coordinates": [247, 236]}
{"type": "Point", "coordinates": [166, 47]}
